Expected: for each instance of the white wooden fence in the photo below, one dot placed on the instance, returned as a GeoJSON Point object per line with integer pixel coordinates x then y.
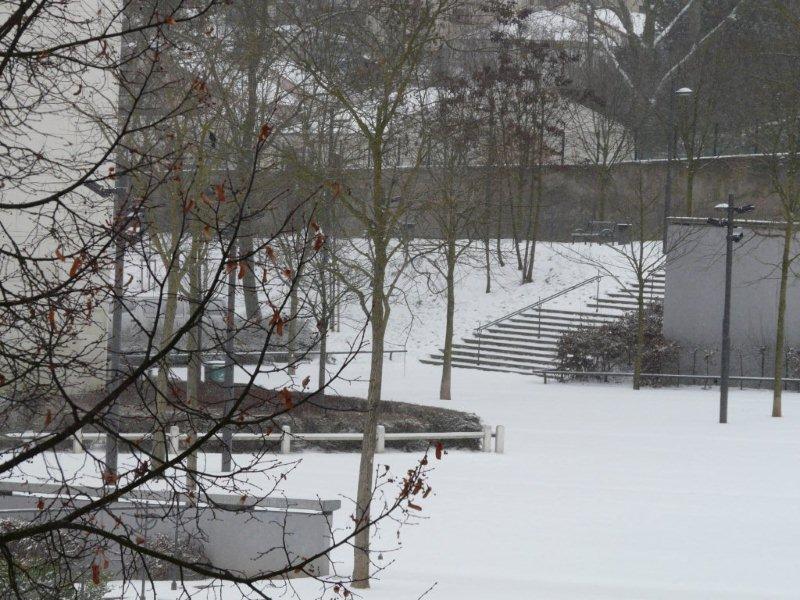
{"type": "Point", "coordinates": [285, 437]}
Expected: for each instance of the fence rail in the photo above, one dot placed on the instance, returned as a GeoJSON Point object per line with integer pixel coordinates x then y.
{"type": "Point", "coordinates": [559, 373]}
{"type": "Point", "coordinates": [253, 357]}
{"type": "Point", "coordinates": [286, 436]}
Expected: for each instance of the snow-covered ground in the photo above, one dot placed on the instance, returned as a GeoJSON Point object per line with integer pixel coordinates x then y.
{"type": "Point", "coordinates": [603, 492]}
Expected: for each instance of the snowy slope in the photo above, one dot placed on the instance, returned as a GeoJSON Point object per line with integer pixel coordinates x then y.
{"type": "Point", "coordinates": [417, 322]}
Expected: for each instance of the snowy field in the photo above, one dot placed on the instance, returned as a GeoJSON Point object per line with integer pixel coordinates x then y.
{"type": "Point", "coordinates": [603, 493]}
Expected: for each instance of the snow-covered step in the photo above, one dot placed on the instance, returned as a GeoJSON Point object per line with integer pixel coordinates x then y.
{"type": "Point", "coordinates": [505, 354]}
{"type": "Point", "coordinates": [528, 341]}
{"type": "Point", "coordinates": [518, 336]}
{"type": "Point", "coordinates": [562, 319]}
{"type": "Point", "coordinates": [494, 363]}
{"type": "Point", "coordinates": [493, 368]}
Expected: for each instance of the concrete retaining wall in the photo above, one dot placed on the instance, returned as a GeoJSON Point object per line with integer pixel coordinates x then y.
{"type": "Point", "coordinates": [693, 304]}
{"type": "Point", "coordinates": [250, 540]}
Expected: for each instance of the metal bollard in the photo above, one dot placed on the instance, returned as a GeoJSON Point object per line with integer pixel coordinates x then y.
{"type": "Point", "coordinates": [487, 438]}
{"type": "Point", "coordinates": [380, 443]}
{"type": "Point", "coordinates": [286, 440]}
{"type": "Point", "coordinates": [500, 439]}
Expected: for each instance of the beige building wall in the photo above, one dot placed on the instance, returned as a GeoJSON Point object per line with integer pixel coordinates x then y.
{"type": "Point", "coordinates": [70, 130]}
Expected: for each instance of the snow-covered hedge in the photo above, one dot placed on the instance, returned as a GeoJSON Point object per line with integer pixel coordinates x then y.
{"type": "Point", "coordinates": [612, 346]}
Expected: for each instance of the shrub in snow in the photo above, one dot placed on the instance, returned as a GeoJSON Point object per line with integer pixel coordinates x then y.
{"type": "Point", "coordinates": [186, 550]}
{"type": "Point", "coordinates": [55, 566]}
{"type": "Point", "coordinates": [612, 346]}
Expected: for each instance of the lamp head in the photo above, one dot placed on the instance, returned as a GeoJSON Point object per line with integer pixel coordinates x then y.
{"type": "Point", "coordinates": [683, 92]}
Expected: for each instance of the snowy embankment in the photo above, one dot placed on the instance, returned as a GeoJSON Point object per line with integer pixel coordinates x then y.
{"type": "Point", "coordinates": [417, 321]}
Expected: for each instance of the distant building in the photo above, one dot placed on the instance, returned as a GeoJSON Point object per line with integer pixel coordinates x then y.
{"type": "Point", "coordinates": [693, 303]}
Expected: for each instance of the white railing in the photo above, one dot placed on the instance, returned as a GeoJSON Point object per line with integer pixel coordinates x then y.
{"type": "Point", "coordinates": [286, 436]}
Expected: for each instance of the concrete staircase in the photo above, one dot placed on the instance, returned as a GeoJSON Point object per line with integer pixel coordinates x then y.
{"type": "Point", "coordinates": [527, 340]}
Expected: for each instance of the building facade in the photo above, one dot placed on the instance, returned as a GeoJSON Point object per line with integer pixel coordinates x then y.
{"type": "Point", "coordinates": [693, 303]}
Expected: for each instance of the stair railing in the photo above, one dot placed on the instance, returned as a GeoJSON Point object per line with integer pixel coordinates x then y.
{"type": "Point", "coordinates": [538, 304]}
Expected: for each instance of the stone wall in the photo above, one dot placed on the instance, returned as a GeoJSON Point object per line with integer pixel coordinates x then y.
{"type": "Point", "coordinates": [571, 195]}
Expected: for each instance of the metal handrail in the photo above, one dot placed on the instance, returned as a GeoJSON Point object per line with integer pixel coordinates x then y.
{"type": "Point", "coordinates": [539, 303]}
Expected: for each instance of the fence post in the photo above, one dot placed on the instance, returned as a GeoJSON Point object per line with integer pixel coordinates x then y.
{"type": "Point", "coordinates": [380, 444]}
{"type": "Point", "coordinates": [286, 440]}
{"type": "Point", "coordinates": [174, 440]}
{"type": "Point", "coordinates": [500, 439]}
{"type": "Point", "coordinates": [487, 438]}
{"type": "Point", "coordinates": [77, 441]}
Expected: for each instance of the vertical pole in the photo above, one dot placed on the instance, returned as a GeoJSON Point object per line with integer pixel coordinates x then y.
{"type": "Point", "coordinates": [115, 337]}
{"type": "Point", "coordinates": [500, 439]}
{"type": "Point", "coordinates": [670, 153]}
{"type": "Point", "coordinates": [487, 438]}
{"type": "Point", "coordinates": [286, 440]}
{"type": "Point", "coordinates": [77, 441]}
{"type": "Point", "coordinates": [726, 317]}
{"type": "Point", "coordinates": [380, 444]}
{"type": "Point", "coordinates": [227, 432]}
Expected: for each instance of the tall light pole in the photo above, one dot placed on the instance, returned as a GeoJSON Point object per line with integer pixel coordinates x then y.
{"type": "Point", "coordinates": [671, 152]}
{"type": "Point", "coordinates": [731, 236]}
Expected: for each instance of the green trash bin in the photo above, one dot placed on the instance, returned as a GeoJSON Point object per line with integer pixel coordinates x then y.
{"type": "Point", "coordinates": [215, 371]}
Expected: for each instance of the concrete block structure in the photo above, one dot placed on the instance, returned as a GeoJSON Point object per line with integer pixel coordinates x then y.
{"type": "Point", "coordinates": [693, 302]}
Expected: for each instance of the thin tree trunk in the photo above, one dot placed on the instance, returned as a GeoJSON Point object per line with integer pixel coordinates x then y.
{"type": "Point", "coordinates": [323, 330]}
{"type": "Point", "coordinates": [193, 371]}
{"type": "Point", "coordinates": [780, 332]}
{"type": "Point", "coordinates": [447, 362]}
{"type": "Point", "coordinates": [601, 208]}
{"type": "Point", "coordinates": [249, 286]}
{"type": "Point", "coordinates": [690, 171]}
{"type": "Point", "coordinates": [637, 361]}
{"type": "Point", "coordinates": [361, 542]}
{"type": "Point", "coordinates": [294, 331]}
{"type": "Point", "coordinates": [488, 259]}
{"type": "Point", "coordinates": [378, 316]}
{"type": "Point", "coordinates": [537, 204]}
{"type": "Point", "coordinates": [162, 381]}
{"type": "Point", "coordinates": [500, 260]}
{"type": "Point", "coordinates": [247, 158]}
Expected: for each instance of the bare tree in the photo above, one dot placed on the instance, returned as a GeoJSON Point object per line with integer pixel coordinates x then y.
{"type": "Point", "coordinates": [368, 55]}
{"type": "Point", "coordinates": [451, 131]}
{"type": "Point", "coordinates": [781, 140]}
{"type": "Point", "coordinates": [527, 80]}
{"type": "Point", "coordinates": [71, 141]}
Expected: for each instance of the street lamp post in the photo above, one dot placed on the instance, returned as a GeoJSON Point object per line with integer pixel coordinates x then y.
{"type": "Point", "coordinates": [671, 152]}
{"type": "Point", "coordinates": [731, 236]}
